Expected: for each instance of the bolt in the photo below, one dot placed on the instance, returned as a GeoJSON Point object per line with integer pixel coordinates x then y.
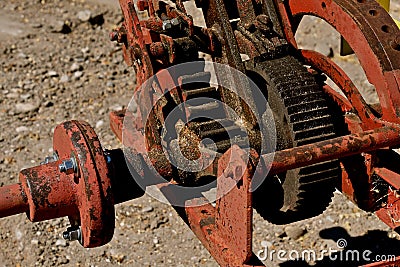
{"type": "Point", "coordinates": [264, 23]}
{"type": "Point", "coordinates": [73, 234]}
{"type": "Point", "coordinates": [68, 166]}
{"type": "Point", "coordinates": [49, 159]}
{"type": "Point", "coordinates": [166, 25]}
{"type": "Point", "coordinates": [175, 22]}
{"type": "Point", "coordinates": [108, 157]}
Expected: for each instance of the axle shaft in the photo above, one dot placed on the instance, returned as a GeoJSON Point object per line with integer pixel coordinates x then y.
{"type": "Point", "coordinates": [12, 200]}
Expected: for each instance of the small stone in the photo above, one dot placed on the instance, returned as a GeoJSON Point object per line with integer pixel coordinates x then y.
{"type": "Point", "coordinates": [78, 74]}
{"type": "Point", "coordinates": [266, 244]}
{"type": "Point", "coordinates": [26, 107]}
{"type": "Point", "coordinates": [18, 234]}
{"type": "Point", "coordinates": [22, 55]}
{"type": "Point", "coordinates": [329, 218]}
{"type": "Point", "coordinates": [118, 257]}
{"type": "Point", "coordinates": [99, 124]}
{"type": "Point", "coordinates": [21, 129]}
{"type": "Point", "coordinates": [294, 232]}
{"type": "Point", "coordinates": [60, 27]}
{"type": "Point", "coordinates": [76, 67]}
{"type": "Point", "coordinates": [85, 50]}
{"type": "Point", "coordinates": [52, 73]}
{"type": "Point", "coordinates": [35, 242]}
{"type": "Point", "coordinates": [147, 209]}
{"type": "Point", "coordinates": [19, 257]}
{"type": "Point", "coordinates": [115, 107]}
{"type": "Point", "coordinates": [155, 240]}
{"type": "Point", "coordinates": [64, 78]}
{"type": "Point", "coordinates": [12, 95]}
{"type": "Point", "coordinates": [61, 243]}
{"type": "Point", "coordinates": [36, 25]}
{"type": "Point", "coordinates": [26, 96]}
{"type": "Point", "coordinates": [84, 15]}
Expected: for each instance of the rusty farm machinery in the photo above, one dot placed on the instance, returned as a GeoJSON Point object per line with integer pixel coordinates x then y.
{"type": "Point", "coordinates": [256, 122]}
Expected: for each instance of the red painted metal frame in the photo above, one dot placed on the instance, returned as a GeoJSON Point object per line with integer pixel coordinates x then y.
{"type": "Point", "coordinates": [226, 229]}
{"type": "Point", "coordinates": [84, 196]}
{"type": "Point", "coordinates": [374, 37]}
{"type": "Point", "coordinates": [92, 184]}
{"type": "Point", "coordinates": [361, 23]}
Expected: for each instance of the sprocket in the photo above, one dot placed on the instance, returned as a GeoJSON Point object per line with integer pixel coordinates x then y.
{"type": "Point", "coordinates": [302, 116]}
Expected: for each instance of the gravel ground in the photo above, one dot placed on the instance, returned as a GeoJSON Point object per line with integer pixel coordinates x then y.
{"type": "Point", "coordinates": [58, 64]}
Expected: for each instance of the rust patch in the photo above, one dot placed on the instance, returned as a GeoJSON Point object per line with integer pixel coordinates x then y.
{"type": "Point", "coordinates": [207, 221]}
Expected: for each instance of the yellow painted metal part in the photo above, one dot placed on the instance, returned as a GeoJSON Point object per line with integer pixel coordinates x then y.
{"type": "Point", "coordinates": [385, 4]}
{"type": "Point", "coordinates": [345, 48]}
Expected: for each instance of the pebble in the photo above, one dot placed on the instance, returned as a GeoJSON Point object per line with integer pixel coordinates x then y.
{"type": "Point", "coordinates": [99, 124]}
{"type": "Point", "coordinates": [266, 244]}
{"type": "Point", "coordinates": [156, 241]}
{"type": "Point", "coordinates": [64, 78]}
{"type": "Point", "coordinates": [22, 55]}
{"type": "Point", "coordinates": [118, 257]}
{"type": "Point", "coordinates": [60, 27]}
{"type": "Point", "coordinates": [26, 107]}
{"type": "Point", "coordinates": [147, 209]}
{"type": "Point", "coordinates": [12, 95]}
{"type": "Point", "coordinates": [21, 129]}
{"type": "Point", "coordinates": [85, 50]}
{"type": "Point", "coordinates": [78, 74]}
{"type": "Point", "coordinates": [329, 218]}
{"type": "Point", "coordinates": [36, 25]}
{"type": "Point", "coordinates": [294, 232]}
{"type": "Point", "coordinates": [61, 243]}
{"type": "Point", "coordinates": [76, 67]}
{"type": "Point", "coordinates": [35, 242]}
{"type": "Point", "coordinates": [26, 96]}
{"type": "Point", "coordinates": [84, 15]}
{"type": "Point", "coordinates": [52, 73]}
{"type": "Point", "coordinates": [18, 234]}
{"type": "Point", "coordinates": [116, 107]}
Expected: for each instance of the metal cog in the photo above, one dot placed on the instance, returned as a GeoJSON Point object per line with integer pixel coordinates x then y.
{"type": "Point", "coordinates": [302, 115]}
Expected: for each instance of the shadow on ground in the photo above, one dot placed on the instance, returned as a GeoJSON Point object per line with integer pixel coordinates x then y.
{"type": "Point", "coordinates": [374, 246]}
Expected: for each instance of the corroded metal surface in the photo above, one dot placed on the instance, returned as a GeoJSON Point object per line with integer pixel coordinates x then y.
{"type": "Point", "coordinates": [254, 28]}
{"type": "Point", "coordinates": [13, 200]}
{"type": "Point", "coordinates": [94, 196]}
{"type": "Point", "coordinates": [226, 229]}
{"type": "Point", "coordinates": [330, 149]}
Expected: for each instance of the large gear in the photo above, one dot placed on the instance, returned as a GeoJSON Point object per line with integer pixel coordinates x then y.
{"type": "Point", "coordinates": [302, 116]}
